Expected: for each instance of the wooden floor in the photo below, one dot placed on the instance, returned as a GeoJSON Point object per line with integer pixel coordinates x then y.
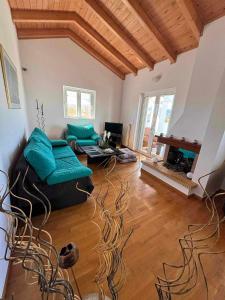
{"type": "Point", "coordinates": [159, 215]}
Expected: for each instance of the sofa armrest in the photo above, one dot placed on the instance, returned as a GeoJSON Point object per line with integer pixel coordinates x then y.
{"type": "Point", "coordinates": [95, 137]}
{"type": "Point", "coordinates": [71, 138]}
{"type": "Point", "coordinates": [56, 143]}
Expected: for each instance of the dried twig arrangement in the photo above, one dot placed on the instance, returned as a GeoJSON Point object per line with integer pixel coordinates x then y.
{"type": "Point", "coordinates": [31, 246]}
{"type": "Point", "coordinates": [197, 242]}
{"type": "Point", "coordinates": [113, 235]}
{"type": "Point", "coordinates": [40, 118]}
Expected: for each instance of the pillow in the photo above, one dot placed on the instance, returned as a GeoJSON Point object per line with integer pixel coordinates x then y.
{"type": "Point", "coordinates": [41, 158]}
{"type": "Point", "coordinates": [81, 132]}
{"type": "Point", "coordinates": [40, 136]}
{"type": "Point", "coordinates": [37, 139]}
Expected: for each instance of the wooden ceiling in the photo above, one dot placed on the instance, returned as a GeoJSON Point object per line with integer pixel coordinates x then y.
{"type": "Point", "coordinates": [124, 35]}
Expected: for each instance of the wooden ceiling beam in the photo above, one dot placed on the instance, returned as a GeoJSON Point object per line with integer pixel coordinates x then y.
{"type": "Point", "coordinates": [190, 14]}
{"type": "Point", "coordinates": [31, 33]}
{"type": "Point", "coordinates": [30, 16]}
{"type": "Point", "coordinates": [135, 7]}
{"type": "Point", "coordinates": [120, 32]}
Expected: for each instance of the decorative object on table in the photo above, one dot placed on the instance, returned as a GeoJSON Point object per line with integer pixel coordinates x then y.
{"type": "Point", "coordinates": [10, 79]}
{"type": "Point", "coordinates": [31, 246]}
{"type": "Point", "coordinates": [104, 143]}
{"type": "Point", "coordinates": [68, 257]}
{"type": "Point", "coordinates": [113, 234]}
{"type": "Point", "coordinates": [108, 150]}
{"type": "Point", "coordinates": [126, 156]}
{"type": "Point", "coordinates": [40, 116]}
{"type": "Point", "coordinates": [199, 241]}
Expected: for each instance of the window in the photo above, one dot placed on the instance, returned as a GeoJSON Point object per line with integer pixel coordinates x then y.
{"type": "Point", "coordinates": [79, 103]}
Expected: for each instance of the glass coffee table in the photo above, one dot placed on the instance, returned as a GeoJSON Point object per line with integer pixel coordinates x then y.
{"type": "Point", "coordinates": [95, 154]}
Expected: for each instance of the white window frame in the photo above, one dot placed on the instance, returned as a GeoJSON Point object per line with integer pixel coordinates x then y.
{"type": "Point", "coordinates": [157, 94]}
{"type": "Point", "coordinates": [79, 91]}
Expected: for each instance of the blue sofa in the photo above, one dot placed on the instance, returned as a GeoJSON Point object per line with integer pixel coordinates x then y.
{"type": "Point", "coordinates": [82, 135]}
{"type": "Point", "coordinates": [53, 161]}
{"type": "Point", "coordinates": [54, 169]}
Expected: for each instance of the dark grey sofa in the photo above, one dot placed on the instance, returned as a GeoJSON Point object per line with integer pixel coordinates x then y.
{"type": "Point", "coordinates": [60, 195]}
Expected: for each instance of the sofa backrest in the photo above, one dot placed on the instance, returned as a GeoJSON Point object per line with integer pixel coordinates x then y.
{"type": "Point", "coordinates": [40, 157]}
{"type": "Point", "coordinates": [38, 135]}
{"type": "Point", "coordinates": [38, 153]}
{"type": "Point", "coordinates": [81, 132]}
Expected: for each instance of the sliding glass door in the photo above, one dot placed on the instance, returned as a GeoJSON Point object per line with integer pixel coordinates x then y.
{"type": "Point", "coordinates": [154, 118]}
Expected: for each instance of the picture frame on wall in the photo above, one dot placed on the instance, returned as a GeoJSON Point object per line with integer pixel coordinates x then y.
{"type": "Point", "coordinates": [10, 79]}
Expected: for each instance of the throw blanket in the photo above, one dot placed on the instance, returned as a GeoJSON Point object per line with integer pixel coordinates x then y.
{"type": "Point", "coordinates": [127, 156]}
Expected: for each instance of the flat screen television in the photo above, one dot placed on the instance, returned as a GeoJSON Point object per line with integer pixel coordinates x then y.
{"type": "Point", "coordinates": [116, 128]}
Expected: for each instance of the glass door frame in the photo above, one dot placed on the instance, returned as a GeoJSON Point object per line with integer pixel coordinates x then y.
{"type": "Point", "coordinates": [140, 125]}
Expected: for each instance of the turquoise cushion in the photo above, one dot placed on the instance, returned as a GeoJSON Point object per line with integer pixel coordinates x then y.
{"type": "Point", "coordinates": [86, 142]}
{"type": "Point", "coordinates": [68, 161]}
{"type": "Point", "coordinates": [95, 137]}
{"type": "Point", "coordinates": [68, 169]}
{"type": "Point", "coordinates": [81, 132]}
{"type": "Point", "coordinates": [187, 153]}
{"type": "Point", "coordinates": [40, 157]}
{"type": "Point", "coordinates": [56, 143]}
{"type": "Point", "coordinates": [61, 152]}
{"type": "Point", "coordinates": [71, 138]}
{"type": "Point", "coordinates": [38, 135]}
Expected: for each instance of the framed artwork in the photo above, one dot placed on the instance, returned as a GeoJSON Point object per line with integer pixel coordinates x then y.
{"type": "Point", "coordinates": [10, 80]}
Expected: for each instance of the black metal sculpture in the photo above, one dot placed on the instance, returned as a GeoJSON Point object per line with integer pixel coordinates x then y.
{"type": "Point", "coordinates": [31, 246]}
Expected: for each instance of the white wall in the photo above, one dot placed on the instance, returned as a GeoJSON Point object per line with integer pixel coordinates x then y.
{"type": "Point", "coordinates": [205, 109]}
{"type": "Point", "coordinates": [205, 81]}
{"type": "Point", "coordinates": [215, 181]}
{"type": "Point", "coordinates": [52, 63]}
{"type": "Point", "coordinates": [13, 122]}
{"type": "Point", "coordinates": [176, 76]}
{"type": "Point", "coordinates": [212, 153]}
